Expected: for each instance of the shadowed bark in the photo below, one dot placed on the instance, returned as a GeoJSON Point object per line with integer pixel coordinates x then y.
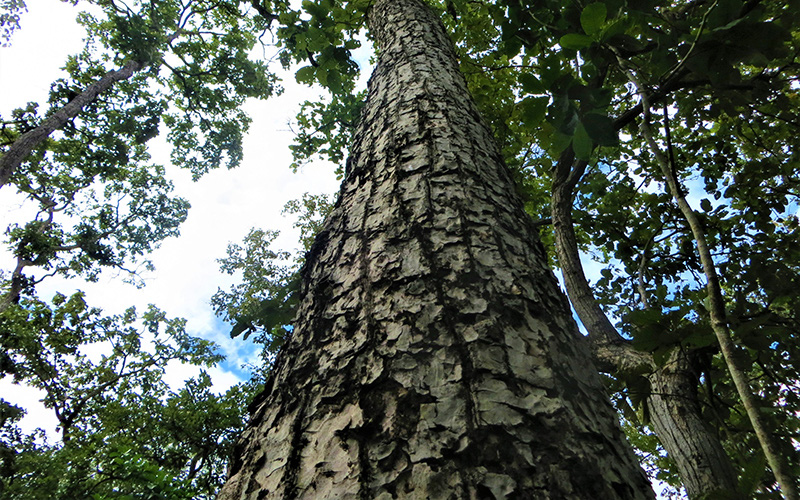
{"type": "Point", "coordinates": [433, 356]}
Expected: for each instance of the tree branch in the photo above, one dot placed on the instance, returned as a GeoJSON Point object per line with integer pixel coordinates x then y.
{"type": "Point", "coordinates": [610, 349]}
{"type": "Point", "coordinates": [16, 154]}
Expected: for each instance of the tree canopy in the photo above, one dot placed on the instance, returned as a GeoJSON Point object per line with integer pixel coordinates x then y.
{"type": "Point", "coordinates": [636, 129]}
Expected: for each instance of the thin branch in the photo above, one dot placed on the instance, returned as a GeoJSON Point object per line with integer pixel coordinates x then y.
{"type": "Point", "coordinates": [717, 306]}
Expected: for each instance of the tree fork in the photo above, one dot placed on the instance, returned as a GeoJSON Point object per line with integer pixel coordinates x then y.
{"type": "Point", "coordinates": [703, 465]}
{"type": "Point", "coordinates": [433, 355]}
{"type": "Point", "coordinates": [716, 309]}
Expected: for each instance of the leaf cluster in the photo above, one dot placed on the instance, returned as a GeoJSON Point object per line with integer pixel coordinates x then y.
{"type": "Point", "coordinates": [10, 11]}
{"type": "Point", "coordinates": [265, 300]}
{"type": "Point", "coordinates": [124, 432]}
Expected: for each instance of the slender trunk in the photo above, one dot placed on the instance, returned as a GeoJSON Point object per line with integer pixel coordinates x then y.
{"type": "Point", "coordinates": [609, 348]}
{"type": "Point", "coordinates": [704, 467]}
{"type": "Point", "coordinates": [433, 355]}
{"type": "Point", "coordinates": [21, 148]}
{"type": "Point", "coordinates": [702, 463]}
{"type": "Point", "coordinates": [716, 310]}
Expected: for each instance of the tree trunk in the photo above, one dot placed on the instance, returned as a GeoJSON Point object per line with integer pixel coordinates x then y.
{"type": "Point", "coordinates": [675, 414]}
{"type": "Point", "coordinates": [702, 462]}
{"type": "Point", "coordinates": [433, 355]}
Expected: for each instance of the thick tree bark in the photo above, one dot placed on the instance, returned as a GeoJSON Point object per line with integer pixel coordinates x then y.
{"type": "Point", "coordinates": [433, 355]}
{"type": "Point", "coordinates": [702, 462]}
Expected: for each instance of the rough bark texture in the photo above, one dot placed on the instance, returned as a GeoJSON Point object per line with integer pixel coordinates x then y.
{"type": "Point", "coordinates": [433, 356]}
{"type": "Point", "coordinates": [703, 464]}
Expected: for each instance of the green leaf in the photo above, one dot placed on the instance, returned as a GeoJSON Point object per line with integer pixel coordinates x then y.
{"type": "Point", "coordinates": [322, 76]}
{"type": "Point", "coordinates": [593, 17]}
{"type": "Point", "coordinates": [531, 84]}
{"type": "Point", "coordinates": [638, 389]}
{"type": "Point", "coordinates": [705, 205]}
{"type": "Point", "coordinates": [334, 82]}
{"type": "Point", "coordinates": [534, 110]}
{"type": "Point", "coordinates": [600, 128]}
{"type": "Point", "coordinates": [306, 74]}
{"type": "Point", "coordinates": [315, 9]}
{"type": "Point", "coordinates": [575, 41]}
{"type": "Point", "coordinates": [581, 143]}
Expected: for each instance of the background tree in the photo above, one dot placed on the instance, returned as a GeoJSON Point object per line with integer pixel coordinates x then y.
{"type": "Point", "coordinates": [99, 202]}
{"type": "Point", "coordinates": [123, 431]}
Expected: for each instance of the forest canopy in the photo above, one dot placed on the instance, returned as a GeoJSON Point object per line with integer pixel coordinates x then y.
{"type": "Point", "coordinates": [652, 141]}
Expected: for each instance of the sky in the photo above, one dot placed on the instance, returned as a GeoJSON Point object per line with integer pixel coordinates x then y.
{"type": "Point", "coordinates": [225, 203]}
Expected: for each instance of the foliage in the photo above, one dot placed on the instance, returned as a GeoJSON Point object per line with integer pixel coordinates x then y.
{"type": "Point", "coordinates": [265, 301]}
{"type": "Point", "coordinates": [656, 463]}
{"type": "Point", "coordinates": [9, 19]}
{"type": "Point", "coordinates": [326, 129]}
{"type": "Point", "coordinates": [123, 432]}
{"type": "Point", "coordinates": [311, 211]}
{"type": "Point", "coordinates": [99, 202]}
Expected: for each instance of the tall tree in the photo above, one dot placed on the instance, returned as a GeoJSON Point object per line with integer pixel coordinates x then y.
{"type": "Point", "coordinates": [99, 202]}
{"type": "Point", "coordinates": [433, 355]}
{"type": "Point", "coordinates": [726, 71]}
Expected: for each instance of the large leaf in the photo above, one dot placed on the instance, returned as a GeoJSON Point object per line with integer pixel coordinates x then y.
{"type": "Point", "coordinates": [582, 143]}
{"type": "Point", "coordinates": [306, 74]}
{"type": "Point", "coordinates": [593, 18]}
{"type": "Point", "coordinates": [600, 128]}
{"type": "Point", "coordinates": [531, 84]}
{"type": "Point", "coordinates": [534, 110]}
{"type": "Point", "coordinates": [575, 41]}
